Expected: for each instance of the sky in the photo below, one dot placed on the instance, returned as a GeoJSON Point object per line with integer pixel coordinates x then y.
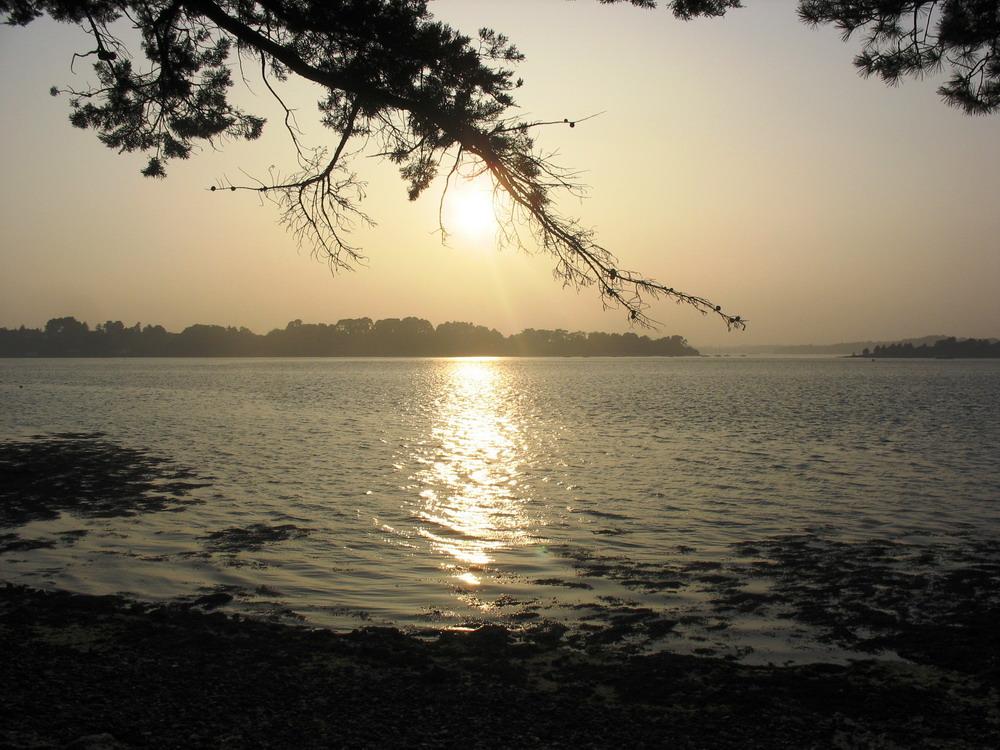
{"type": "Point", "coordinates": [741, 159]}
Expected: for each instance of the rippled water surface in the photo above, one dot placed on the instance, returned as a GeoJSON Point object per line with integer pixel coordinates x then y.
{"type": "Point", "coordinates": [446, 491]}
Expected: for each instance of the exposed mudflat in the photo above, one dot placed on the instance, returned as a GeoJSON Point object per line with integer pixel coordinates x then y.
{"type": "Point", "coordinates": [936, 604]}
{"type": "Point", "coordinates": [86, 671]}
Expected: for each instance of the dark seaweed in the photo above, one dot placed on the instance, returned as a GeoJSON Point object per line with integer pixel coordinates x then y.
{"type": "Point", "coordinates": [86, 475]}
{"type": "Point", "coordinates": [108, 672]}
{"type": "Point", "coordinates": [252, 537]}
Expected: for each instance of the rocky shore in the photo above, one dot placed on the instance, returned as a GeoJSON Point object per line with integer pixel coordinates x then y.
{"type": "Point", "coordinates": [105, 672]}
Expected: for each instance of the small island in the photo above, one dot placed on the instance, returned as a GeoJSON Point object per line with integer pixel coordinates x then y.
{"type": "Point", "coordinates": [946, 348]}
{"type": "Point", "coordinates": [352, 337]}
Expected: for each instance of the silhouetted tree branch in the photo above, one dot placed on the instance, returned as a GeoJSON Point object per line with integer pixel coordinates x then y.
{"type": "Point", "coordinates": [427, 96]}
{"type": "Point", "coordinates": [911, 38]}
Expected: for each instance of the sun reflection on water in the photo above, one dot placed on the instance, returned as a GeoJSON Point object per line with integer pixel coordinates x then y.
{"type": "Point", "coordinates": [472, 504]}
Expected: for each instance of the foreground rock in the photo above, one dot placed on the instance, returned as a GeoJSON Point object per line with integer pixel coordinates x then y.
{"type": "Point", "coordinates": [80, 671]}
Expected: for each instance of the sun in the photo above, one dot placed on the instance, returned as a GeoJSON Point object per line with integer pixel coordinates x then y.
{"type": "Point", "coordinates": [469, 212]}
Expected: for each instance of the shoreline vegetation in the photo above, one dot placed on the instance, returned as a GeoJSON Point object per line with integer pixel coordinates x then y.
{"type": "Point", "coordinates": [356, 337]}
{"type": "Point", "coordinates": [946, 348]}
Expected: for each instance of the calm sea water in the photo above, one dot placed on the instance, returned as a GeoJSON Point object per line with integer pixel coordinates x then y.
{"type": "Point", "coordinates": [439, 492]}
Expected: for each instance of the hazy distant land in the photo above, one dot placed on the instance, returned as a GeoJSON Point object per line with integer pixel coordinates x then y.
{"type": "Point", "coordinates": [839, 349]}
{"type": "Point", "coordinates": [924, 346]}
{"type": "Point", "coordinates": [416, 337]}
{"type": "Point", "coordinates": [353, 337]}
{"type": "Point", "coordinates": [943, 348]}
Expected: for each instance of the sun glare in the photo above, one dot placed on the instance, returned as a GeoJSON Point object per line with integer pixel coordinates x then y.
{"type": "Point", "coordinates": [469, 211]}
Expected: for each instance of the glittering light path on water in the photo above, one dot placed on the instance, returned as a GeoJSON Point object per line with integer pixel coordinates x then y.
{"type": "Point", "coordinates": [471, 501]}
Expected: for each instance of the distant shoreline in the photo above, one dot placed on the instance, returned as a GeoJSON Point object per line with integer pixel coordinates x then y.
{"type": "Point", "coordinates": [947, 348]}
{"type": "Point", "coordinates": [365, 356]}
{"type": "Point", "coordinates": [355, 337]}
{"type": "Point", "coordinates": [925, 357]}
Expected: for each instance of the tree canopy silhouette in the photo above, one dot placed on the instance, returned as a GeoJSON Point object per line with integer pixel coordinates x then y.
{"type": "Point", "coordinates": [430, 99]}
{"type": "Point", "coordinates": [351, 337]}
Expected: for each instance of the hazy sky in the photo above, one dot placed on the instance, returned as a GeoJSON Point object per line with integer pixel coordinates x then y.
{"type": "Point", "coordinates": [741, 159]}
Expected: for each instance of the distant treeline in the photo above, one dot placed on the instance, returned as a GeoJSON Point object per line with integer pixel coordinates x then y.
{"type": "Point", "coordinates": [947, 347]}
{"type": "Point", "coordinates": [357, 337]}
{"type": "Point", "coordinates": [841, 348]}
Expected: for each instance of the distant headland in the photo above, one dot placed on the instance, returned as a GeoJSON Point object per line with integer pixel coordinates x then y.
{"type": "Point", "coordinates": [939, 346]}
{"type": "Point", "coordinates": [946, 348]}
{"type": "Point", "coordinates": [352, 337]}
